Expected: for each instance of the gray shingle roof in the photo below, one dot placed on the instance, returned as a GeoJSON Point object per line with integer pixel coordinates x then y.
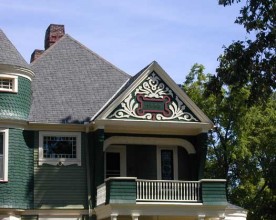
{"type": "Point", "coordinates": [122, 89]}
{"type": "Point", "coordinates": [72, 83]}
{"type": "Point", "coordinates": [9, 54]}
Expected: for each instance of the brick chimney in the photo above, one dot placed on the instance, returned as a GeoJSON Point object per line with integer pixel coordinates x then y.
{"type": "Point", "coordinates": [37, 53]}
{"type": "Point", "coordinates": [53, 33]}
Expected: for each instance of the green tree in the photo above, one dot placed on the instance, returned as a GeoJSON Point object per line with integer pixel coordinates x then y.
{"type": "Point", "coordinates": [255, 171]}
{"type": "Point", "coordinates": [251, 62]}
{"type": "Point", "coordinates": [241, 148]}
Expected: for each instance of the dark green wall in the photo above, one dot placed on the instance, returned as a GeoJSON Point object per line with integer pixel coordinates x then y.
{"type": "Point", "coordinates": [29, 217]}
{"type": "Point", "coordinates": [184, 167]}
{"type": "Point", "coordinates": [18, 191]}
{"type": "Point", "coordinates": [201, 143]}
{"type": "Point", "coordinates": [141, 161]}
{"type": "Point", "coordinates": [96, 162]}
{"type": "Point", "coordinates": [16, 105]}
{"type": "Point", "coordinates": [60, 186]}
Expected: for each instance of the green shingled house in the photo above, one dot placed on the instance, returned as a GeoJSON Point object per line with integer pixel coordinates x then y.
{"type": "Point", "coordinates": [81, 139]}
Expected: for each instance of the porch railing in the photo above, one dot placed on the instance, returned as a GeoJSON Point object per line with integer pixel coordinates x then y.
{"type": "Point", "coordinates": [137, 190]}
{"type": "Point", "coordinates": [168, 191]}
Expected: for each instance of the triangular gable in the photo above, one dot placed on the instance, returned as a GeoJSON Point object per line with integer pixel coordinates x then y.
{"type": "Point", "coordinates": [154, 96]}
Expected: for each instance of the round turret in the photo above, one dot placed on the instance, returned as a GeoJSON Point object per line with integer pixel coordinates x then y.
{"type": "Point", "coordinates": [15, 82]}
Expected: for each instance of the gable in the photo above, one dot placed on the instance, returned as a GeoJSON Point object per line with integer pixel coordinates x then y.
{"type": "Point", "coordinates": [153, 100]}
{"type": "Point", "coordinates": [151, 96]}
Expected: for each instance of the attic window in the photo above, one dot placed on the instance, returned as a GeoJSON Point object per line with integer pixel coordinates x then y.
{"type": "Point", "coordinates": [8, 83]}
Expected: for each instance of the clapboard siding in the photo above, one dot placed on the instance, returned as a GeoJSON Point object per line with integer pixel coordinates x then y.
{"type": "Point", "coordinates": [60, 186]}
{"type": "Point", "coordinates": [214, 193]}
{"type": "Point", "coordinates": [121, 191]}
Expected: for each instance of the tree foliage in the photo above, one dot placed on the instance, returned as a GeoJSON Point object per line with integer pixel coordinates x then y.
{"type": "Point", "coordinates": [241, 148]}
{"type": "Point", "coordinates": [240, 99]}
{"type": "Point", "coordinates": [255, 172]}
{"type": "Point", "coordinates": [251, 62]}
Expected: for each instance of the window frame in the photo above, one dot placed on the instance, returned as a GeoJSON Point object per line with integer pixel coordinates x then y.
{"type": "Point", "coordinates": [14, 83]}
{"type": "Point", "coordinates": [59, 161]}
{"type": "Point", "coordinates": [5, 154]}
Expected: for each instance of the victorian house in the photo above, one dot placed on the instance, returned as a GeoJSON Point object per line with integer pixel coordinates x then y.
{"type": "Point", "coordinates": [82, 139]}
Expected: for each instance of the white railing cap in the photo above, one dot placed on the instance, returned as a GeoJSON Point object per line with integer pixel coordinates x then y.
{"type": "Point", "coordinates": [120, 178]}
{"type": "Point", "coordinates": [212, 180]}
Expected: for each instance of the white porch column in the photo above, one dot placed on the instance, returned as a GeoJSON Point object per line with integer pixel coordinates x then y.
{"type": "Point", "coordinates": [113, 216]}
{"type": "Point", "coordinates": [135, 216]}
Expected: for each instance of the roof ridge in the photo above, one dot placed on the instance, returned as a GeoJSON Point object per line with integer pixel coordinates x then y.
{"type": "Point", "coordinates": [90, 51]}
{"type": "Point", "coordinates": [47, 51]}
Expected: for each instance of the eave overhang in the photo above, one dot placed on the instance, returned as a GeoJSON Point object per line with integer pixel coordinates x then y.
{"type": "Point", "coordinates": [151, 127]}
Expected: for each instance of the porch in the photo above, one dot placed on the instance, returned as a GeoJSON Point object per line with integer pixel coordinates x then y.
{"type": "Point", "coordinates": [128, 196]}
{"type": "Point", "coordinates": [138, 190]}
{"type": "Point", "coordinates": [133, 190]}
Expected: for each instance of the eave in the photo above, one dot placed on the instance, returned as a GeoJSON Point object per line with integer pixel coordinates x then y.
{"type": "Point", "coordinates": [151, 127]}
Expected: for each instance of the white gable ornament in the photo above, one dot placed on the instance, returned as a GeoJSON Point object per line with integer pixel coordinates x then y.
{"type": "Point", "coordinates": [153, 100]}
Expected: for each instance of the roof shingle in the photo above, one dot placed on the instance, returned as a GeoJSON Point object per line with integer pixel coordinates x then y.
{"type": "Point", "coordinates": [72, 83]}
{"type": "Point", "coordinates": [9, 55]}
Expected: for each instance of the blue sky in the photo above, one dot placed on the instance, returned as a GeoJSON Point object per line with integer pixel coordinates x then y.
{"type": "Point", "coordinates": [130, 33]}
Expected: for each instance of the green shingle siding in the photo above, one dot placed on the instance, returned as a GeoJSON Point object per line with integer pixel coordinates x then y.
{"type": "Point", "coordinates": [16, 105]}
{"type": "Point", "coordinates": [18, 191]}
{"type": "Point", "coordinates": [60, 186]}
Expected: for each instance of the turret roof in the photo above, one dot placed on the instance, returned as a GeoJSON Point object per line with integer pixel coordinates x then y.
{"type": "Point", "coordinates": [9, 55]}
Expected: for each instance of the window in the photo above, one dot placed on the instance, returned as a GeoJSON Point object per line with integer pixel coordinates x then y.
{"type": "Point", "coordinates": [167, 171]}
{"type": "Point", "coordinates": [115, 161]}
{"type": "Point", "coordinates": [167, 167]}
{"type": "Point", "coordinates": [59, 148]}
{"type": "Point", "coordinates": [8, 83]}
{"type": "Point", "coordinates": [4, 142]}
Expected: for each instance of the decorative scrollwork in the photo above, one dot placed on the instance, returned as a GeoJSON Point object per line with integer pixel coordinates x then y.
{"type": "Point", "coordinates": [153, 89]}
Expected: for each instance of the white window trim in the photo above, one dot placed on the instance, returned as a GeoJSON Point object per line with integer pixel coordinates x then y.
{"type": "Point", "coordinates": [59, 161]}
{"type": "Point", "coordinates": [5, 154]}
{"type": "Point", "coordinates": [117, 149]}
{"type": "Point", "coordinates": [175, 160]}
{"type": "Point", "coordinates": [14, 83]}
